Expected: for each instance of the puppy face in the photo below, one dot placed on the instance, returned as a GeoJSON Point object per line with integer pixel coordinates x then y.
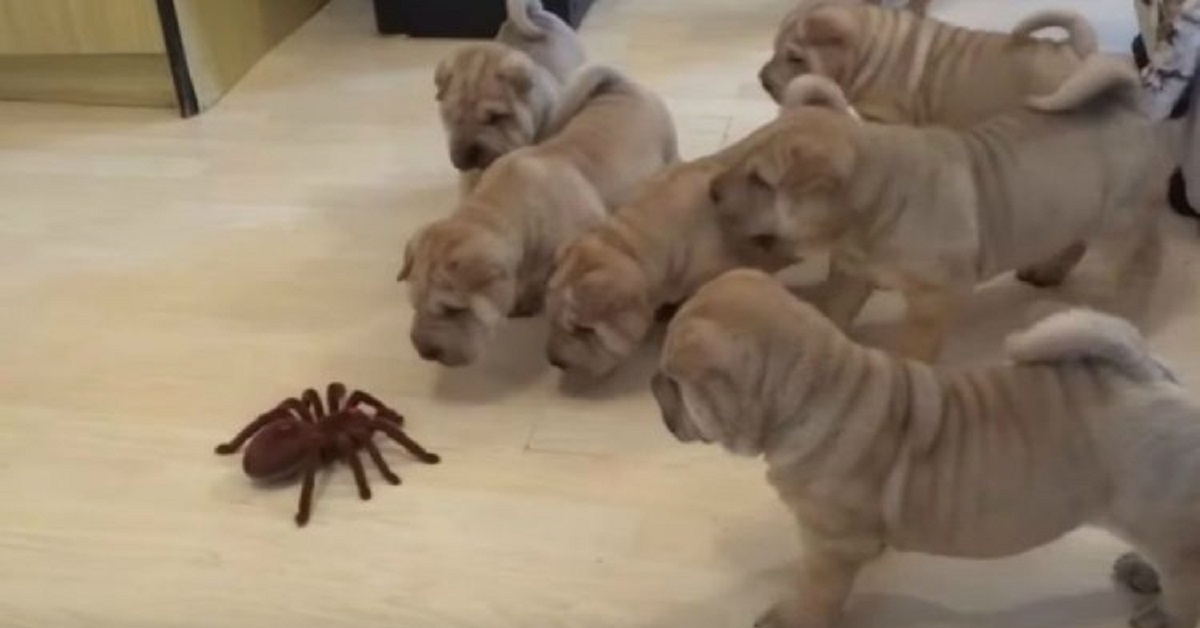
{"type": "Point", "coordinates": [598, 303]}
{"type": "Point", "coordinates": [818, 37]}
{"type": "Point", "coordinates": [461, 288]}
{"type": "Point", "coordinates": [491, 100]}
{"type": "Point", "coordinates": [705, 387]}
{"type": "Point", "coordinates": [783, 194]}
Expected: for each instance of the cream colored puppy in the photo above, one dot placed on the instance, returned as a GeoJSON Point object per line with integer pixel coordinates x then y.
{"type": "Point", "coordinates": [654, 252]}
{"type": "Point", "coordinates": [870, 452]}
{"type": "Point", "coordinates": [932, 211]}
{"type": "Point", "coordinates": [896, 66]}
{"type": "Point", "coordinates": [491, 258]}
{"type": "Point", "coordinates": [495, 97]}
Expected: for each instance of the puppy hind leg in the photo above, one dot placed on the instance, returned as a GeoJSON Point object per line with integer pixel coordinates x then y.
{"type": "Point", "coordinates": [1053, 271]}
{"type": "Point", "coordinates": [931, 310]}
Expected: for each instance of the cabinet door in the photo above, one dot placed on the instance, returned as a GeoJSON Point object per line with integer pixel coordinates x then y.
{"type": "Point", "coordinates": [40, 27]}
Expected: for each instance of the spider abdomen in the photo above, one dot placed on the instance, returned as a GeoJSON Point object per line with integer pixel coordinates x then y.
{"type": "Point", "coordinates": [278, 452]}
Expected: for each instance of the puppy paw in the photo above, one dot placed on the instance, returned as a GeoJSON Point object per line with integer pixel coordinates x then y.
{"type": "Point", "coordinates": [1150, 617]}
{"type": "Point", "coordinates": [1133, 573]}
{"type": "Point", "coordinates": [782, 615]}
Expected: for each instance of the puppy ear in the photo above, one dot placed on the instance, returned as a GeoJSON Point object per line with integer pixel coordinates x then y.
{"type": "Point", "coordinates": [517, 72]}
{"type": "Point", "coordinates": [818, 159]}
{"type": "Point", "coordinates": [441, 78]}
{"type": "Point", "coordinates": [829, 26]}
{"type": "Point", "coordinates": [406, 268]}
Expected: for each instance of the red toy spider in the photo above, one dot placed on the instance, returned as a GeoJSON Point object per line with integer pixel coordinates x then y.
{"type": "Point", "coordinates": [301, 435]}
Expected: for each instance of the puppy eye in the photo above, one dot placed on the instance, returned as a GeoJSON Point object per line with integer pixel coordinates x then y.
{"type": "Point", "coordinates": [453, 311]}
{"type": "Point", "coordinates": [764, 240]}
{"type": "Point", "coordinates": [496, 117]}
{"type": "Point", "coordinates": [795, 58]}
{"type": "Point", "coordinates": [583, 330]}
{"type": "Point", "coordinates": [757, 182]}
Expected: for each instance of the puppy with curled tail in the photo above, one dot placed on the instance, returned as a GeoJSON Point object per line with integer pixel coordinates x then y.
{"type": "Point", "coordinates": [870, 452]}
{"type": "Point", "coordinates": [899, 67]}
{"type": "Point", "coordinates": [542, 35]}
{"type": "Point", "coordinates": [933, 211]}
{"type": "Point", "coordinates": [495, 97]}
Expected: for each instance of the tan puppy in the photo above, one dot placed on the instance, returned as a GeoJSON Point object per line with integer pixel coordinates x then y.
{"type": "Point", "coordinates": [896, 66]}
{"type": "Point", "coordinates": [933, 211]}
{"type": "Point", "coordinates": [492, 257]}
{"type": "Point", "coordinates": [654, 252]}
{"type": "Point", "coordinates": [872, 452]}
{"type": "Point", "coordinates": [495, 97]}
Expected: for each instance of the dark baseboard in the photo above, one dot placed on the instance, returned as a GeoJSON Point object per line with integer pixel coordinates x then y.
{"type": "Point", "coordinates": [470, 19]}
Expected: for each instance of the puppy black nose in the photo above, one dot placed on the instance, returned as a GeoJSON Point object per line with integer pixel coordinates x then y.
{"type": "Point", "coordinates": [556, 361]}
{"type": "Point", "coordinates": [429, 352]}
{"type": "Point", "coordinates": [766, 83]}
{"type": "Point", "coordinates": [469, 157]}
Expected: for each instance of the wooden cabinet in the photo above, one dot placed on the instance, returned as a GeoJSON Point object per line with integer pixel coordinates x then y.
{"type": "Point", "coordinates": [39, 27]}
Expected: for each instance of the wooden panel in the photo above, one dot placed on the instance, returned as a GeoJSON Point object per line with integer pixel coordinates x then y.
{"type": "Point", "coordinates": [225, 38]}
{"type": "Point", "coordinates": [79, 27]}
{"type": "Point", "coordinates": [92, 79]}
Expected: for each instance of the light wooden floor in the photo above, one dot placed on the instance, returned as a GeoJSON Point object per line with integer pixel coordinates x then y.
{"type": "Point", "coordinates": [162, 281]}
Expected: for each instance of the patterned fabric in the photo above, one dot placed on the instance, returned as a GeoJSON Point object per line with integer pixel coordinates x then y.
{"type": "Point", "coordinates": [1170, 32]}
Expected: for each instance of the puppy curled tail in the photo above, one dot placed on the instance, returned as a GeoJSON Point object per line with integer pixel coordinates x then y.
{"type": "Point", "coordinates": [519, 16]}
{"type": "Point", "coordinates": [812, 90]}
{"type": "Point", "coordinates": [1082, 335]}
{"type": "Point", "coordinates": [1080, 33]}
{"type": "Point", "coordinates": [585, 84]}
{"type": "Point", "coordinates": [1098, 76]}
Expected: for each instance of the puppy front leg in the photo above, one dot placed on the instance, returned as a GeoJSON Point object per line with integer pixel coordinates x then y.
{"type": "Point", "coordinates": [1179, 606]}
{"type": "Point", "coordinates": [843, 295]}
{"type": "Point", "coordinates": [930, 312]}
{"type": "Point", "coordinates": [825, 579]}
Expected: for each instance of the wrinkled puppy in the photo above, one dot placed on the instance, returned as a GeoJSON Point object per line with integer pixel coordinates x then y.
{"type": "Point", "coordinates": [898, 67]}
{"type": "Point", "coordinates": [491, 258]}
{"type": "Point", "coordinates": [609, 284]}
{"type": "Point", "coordinates": [871, 452]}
{"type": "Point", "coordinates": [933, 211]}
{"type": "Point", "coordinates": [495, 97]}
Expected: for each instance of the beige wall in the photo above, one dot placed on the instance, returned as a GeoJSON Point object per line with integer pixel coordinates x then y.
{"type": "Point", "coordinates": [224, 38]}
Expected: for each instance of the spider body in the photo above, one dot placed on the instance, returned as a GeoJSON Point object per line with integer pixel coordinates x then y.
{"type": "Point", "coordinates": [302, 435]}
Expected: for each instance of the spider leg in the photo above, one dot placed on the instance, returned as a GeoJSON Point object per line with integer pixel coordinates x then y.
{"type": "Point", "coordinates": [279, 412]}
{"type": "Point", "coordinates": [335, 394]}
{"type": "Point", "coordinates": [382, 411]}
{"type": "Point", "coordinates": [395, 433]}
{"type": "Point", "coordinates": [380, 463]}
{"type": "Point", "coordinates": [313, 399]}
{"type": "Point", "coordinates": [347, 449]}
{"type": "Point", "coordinates": [299, 408]}
{"type": "Point", "coordinates": [306, 493]}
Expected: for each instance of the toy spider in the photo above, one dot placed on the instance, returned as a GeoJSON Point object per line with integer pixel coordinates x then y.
{"type": "Point", "coordinates": [300, 436]}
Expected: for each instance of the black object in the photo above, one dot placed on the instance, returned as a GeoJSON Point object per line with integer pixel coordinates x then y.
{"type": "Point", "coordinates": [1177, 196]}
{"type": "Point", "coordinates": [185, 91]}
{"type": "Point", "coordinates": [472, 19]}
